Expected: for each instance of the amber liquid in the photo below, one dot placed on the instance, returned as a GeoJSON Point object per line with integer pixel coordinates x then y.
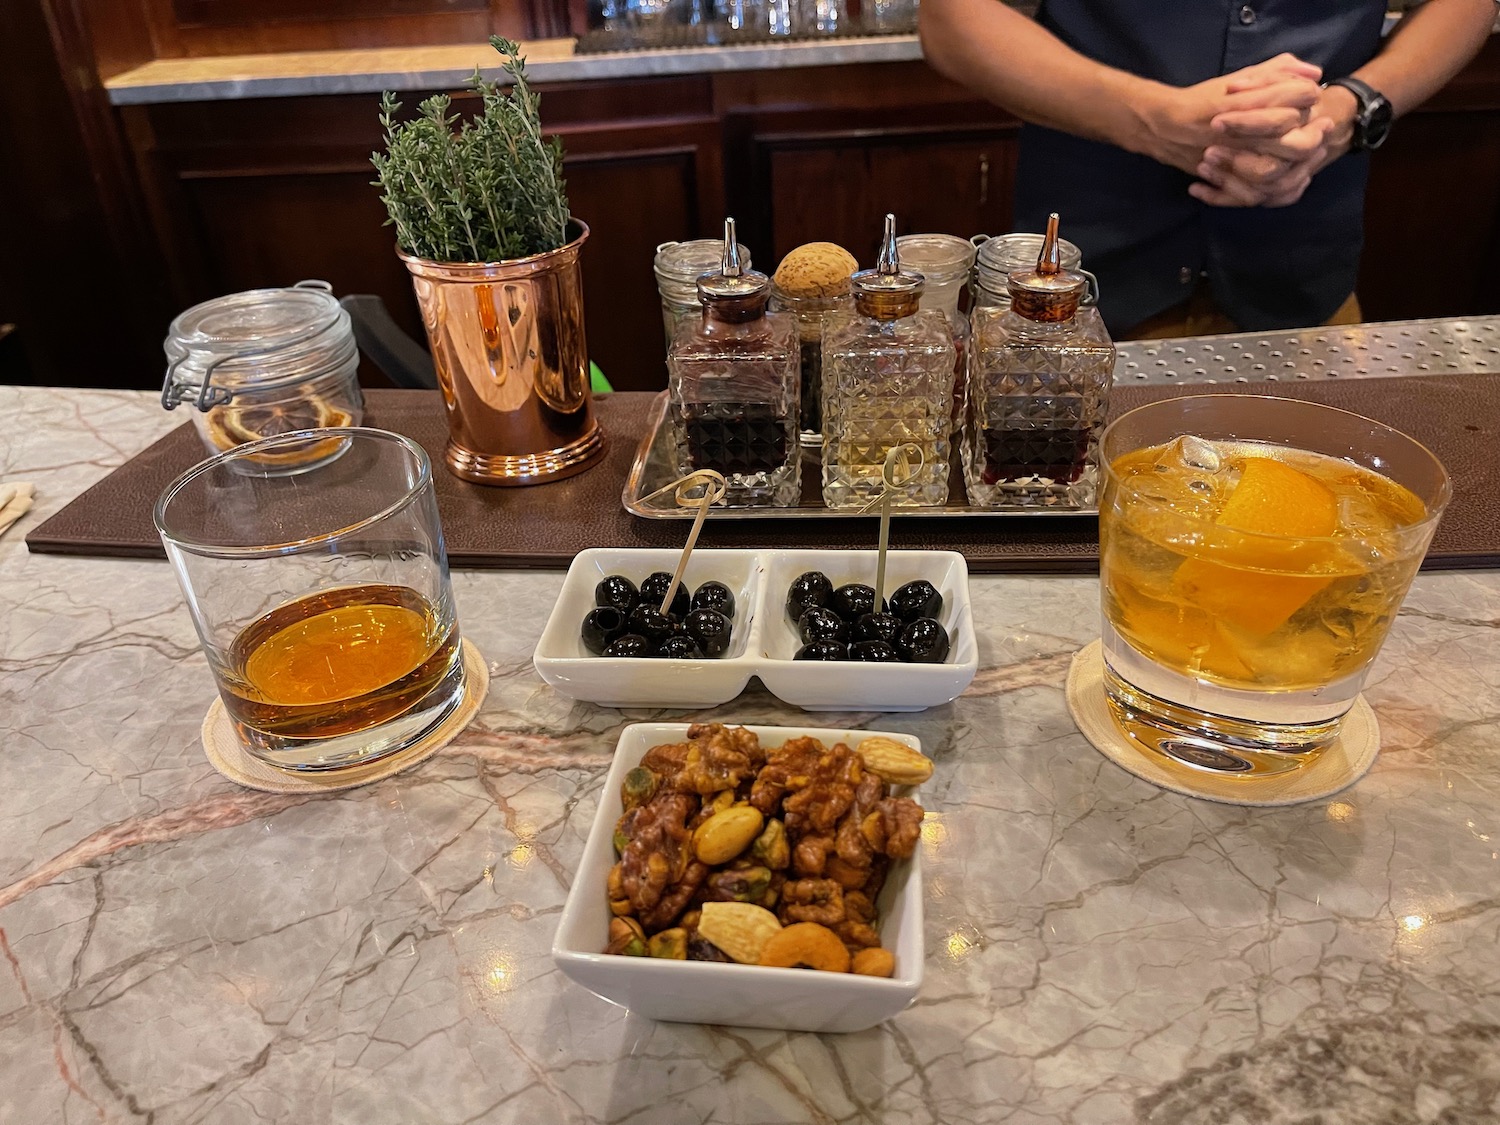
{"type": "Point", "coordinates": [338, 662]}
{"type": "Point", "coordinates": [1259, 612]}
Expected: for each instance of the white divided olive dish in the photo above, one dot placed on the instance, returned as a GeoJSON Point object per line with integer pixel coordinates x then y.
{"type": "Point", "coordinates": [764, 639]}
{"type": "Point", "coordinates": [730, 994]}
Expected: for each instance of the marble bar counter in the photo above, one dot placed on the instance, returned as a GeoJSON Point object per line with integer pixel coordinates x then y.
{"type": "Point", "coordinates": [371, 70]}
{"type": "Point", "coordinates": [174, 949]}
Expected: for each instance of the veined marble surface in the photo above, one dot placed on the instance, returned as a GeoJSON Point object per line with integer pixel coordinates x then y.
{"type": "Point", "coordinates": [174, 949]}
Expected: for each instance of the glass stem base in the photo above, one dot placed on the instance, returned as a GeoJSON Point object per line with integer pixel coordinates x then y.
{"type": "Point", "coordinates": [1213, 728]}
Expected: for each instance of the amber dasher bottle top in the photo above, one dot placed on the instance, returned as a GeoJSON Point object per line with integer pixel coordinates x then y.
{"type": "Point", "coordinates": [1048, 293]}
{"type": "Point", "coordinates": [888, 292]}
{"type": "Point", "coordinates": [733, 293]}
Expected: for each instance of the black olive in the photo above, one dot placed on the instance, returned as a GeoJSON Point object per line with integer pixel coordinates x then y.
{"type": "Point", "coordinates": [807, 590]}
{"type": "Point", "coordinates": [654, 588]}
{"type": "Point", "coordinates": [601, 626]}
{"type": "Point", "coordinates": [710, 629]}
{"type": "Point", "coordinates": [924, 641]}
{"type": "Point", "coordinates": [873, 651]}
{"type": "Point", "coordinates": [823, 650]}
{"type": "Point", "coordinates": [678, 648]}
{"type": "Point", "coordinates": [876, 627]}
{"type": "Point", "coordinates": [647, 622]}
{"type": "Point", "coordinates": [631, 644]}
{"type": "Point", "coordinates": [819, 624]}
{"type": "Point", "coordinates": [853, 601]}
{"type": "Point", "coordinates": [715, 596]}
{"type": "Point", "coordinates": [618, 591]}
{"type": "Point", "coordinates": [917, 599]}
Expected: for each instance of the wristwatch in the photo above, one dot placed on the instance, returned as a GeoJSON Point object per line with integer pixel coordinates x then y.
{"type": "Point", "coordinates": [1372, 114]}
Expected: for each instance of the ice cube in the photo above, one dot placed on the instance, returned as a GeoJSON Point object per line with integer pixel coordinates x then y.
{"type": "Point", "coordinates": [1192, 477]}
{"type": "Point", "coordinates": [1197, 453]}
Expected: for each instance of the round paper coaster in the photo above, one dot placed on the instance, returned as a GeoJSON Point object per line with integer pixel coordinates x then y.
{"type": "Point", "coordinates": [230, 758]}
{"type": "Point", "coordinates": [1338, 767]}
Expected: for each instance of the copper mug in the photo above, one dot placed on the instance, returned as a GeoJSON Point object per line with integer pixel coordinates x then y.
{"type": "Point", "coordinates": [511, 357]}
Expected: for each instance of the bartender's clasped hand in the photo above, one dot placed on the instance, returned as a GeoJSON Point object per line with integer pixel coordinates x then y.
{"type": "Point", "coordinates": [1261, 157]}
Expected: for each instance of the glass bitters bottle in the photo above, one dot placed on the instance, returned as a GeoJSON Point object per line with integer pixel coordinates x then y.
{"type": "Point", "coordinates": [1039, 381]}
{"type": "Point", "coordinates": [887, 380]}
{"type": "Point", "coordinates": [732, 387]}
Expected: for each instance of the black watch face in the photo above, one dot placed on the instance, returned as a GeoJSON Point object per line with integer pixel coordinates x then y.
{"type": "Point", "coordinates": [1377, 123]}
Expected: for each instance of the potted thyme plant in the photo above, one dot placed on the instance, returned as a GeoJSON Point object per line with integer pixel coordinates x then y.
{"type": "Point", "coordinates": [481, 216]}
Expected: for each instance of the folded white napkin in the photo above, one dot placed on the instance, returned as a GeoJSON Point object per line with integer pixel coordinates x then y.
{"type": "Point", "coordinates": [15, 499]}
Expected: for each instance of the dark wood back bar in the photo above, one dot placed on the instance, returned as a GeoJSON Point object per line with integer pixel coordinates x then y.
{"type": "Point", "coordinates": [205, 198]}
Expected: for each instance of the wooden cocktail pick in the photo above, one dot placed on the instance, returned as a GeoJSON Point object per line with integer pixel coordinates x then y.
{"type": "Point", "coordinates": [898, 459]}
{"type": "Point", "coordinates": [702, 490]}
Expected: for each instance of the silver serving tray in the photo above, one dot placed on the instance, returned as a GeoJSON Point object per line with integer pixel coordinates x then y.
{"type": "Point", "coordinates": [654, 469]}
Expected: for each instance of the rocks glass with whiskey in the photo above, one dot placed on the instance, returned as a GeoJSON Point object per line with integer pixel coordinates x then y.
{"type": "Point", "coordinates": [321, 599]}
{"type": "Point", "coordinates": [1039, 381]}
{"type": "Point", "coordinates": [733, 388]}
{"type": "Point", "coordinates": [887, 381]}
{"type": "Point", "coordinates": [1253, 553]}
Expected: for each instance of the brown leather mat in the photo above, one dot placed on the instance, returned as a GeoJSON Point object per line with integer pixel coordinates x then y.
{"type": "Point", "coordinates": [1457, 416]}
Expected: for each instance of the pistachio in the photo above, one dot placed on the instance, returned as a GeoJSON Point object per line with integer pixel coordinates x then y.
{"type": "Point", "coordinates": [738, 928]}
{"type": "Point", "coordinates": [771, 847]}
{"type": "Point", "coordinates": [626, 937]}
{"type": "Point", "coordinates": [726, 834]}
{"type": "Point", "coordinates": [700, 949]}
{"type": "Point", "coordinates": [619, 901]}
{"type": "Point", "coordinates": [748, 884]}
{"type": "Point", "coordinates": [671, 944]}
{"type": "Point", "coordinates": [891, 761]}
{"type": "Point", "coordinates": [638, 787]}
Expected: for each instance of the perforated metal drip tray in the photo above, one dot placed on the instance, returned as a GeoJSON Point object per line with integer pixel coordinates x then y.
{"type": "Point", "coordinates": [1365, 351]}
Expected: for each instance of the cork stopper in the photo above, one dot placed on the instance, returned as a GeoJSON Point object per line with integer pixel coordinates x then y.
{"type": "Point", "coordinates": [733, 293]}
{"type": "Point", "coordinates": [1049, 293]}
{"type": "Point", "coordinates": [817, 269]}
{"type": "Point", "coordinates": [888, 292]}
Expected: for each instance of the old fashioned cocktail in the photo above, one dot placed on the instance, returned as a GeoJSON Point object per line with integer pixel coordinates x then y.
{"type": "Point", "coordinates": [1254, 552]}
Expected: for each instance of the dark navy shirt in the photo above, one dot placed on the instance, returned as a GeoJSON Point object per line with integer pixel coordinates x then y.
{"type": "Point", "coordinates": [1145, 238]}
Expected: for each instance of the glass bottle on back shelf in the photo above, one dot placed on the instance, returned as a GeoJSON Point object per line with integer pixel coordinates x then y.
{"type": "Point", "coordinates": [1039, 381]}
{"type": "Point", "coordinates": [945, 261]}
{"type": "Point", "coordinates": [887, 380]}
{"type": "Point", "coordinates": [678, 266]}
{"type": "Point", "coordinates": [732, 388]}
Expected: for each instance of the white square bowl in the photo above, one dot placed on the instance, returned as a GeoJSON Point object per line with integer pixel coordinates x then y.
{"type": "Point", "coordinates": [728, 994]}
{"type": "Point", "coordinates": [562, 661]}
{"type": "Point", "coordinates": [839, 685]}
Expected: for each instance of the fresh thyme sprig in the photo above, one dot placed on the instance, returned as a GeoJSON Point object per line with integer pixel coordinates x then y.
{"type": "Point", "coordinates": [488, 190]}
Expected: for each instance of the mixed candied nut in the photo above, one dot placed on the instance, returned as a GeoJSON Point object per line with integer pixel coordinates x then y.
{"type": "Point", "coordinates": [730, 852]}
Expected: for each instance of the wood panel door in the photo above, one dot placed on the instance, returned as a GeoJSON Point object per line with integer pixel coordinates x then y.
{"type": "Point", "coordinates": [1432, 215]}
{"type": "Point", "coordinates": [837, 187]}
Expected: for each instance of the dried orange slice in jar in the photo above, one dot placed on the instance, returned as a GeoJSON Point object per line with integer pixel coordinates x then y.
{"type": "Point", "coordinates": [237, 424]}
